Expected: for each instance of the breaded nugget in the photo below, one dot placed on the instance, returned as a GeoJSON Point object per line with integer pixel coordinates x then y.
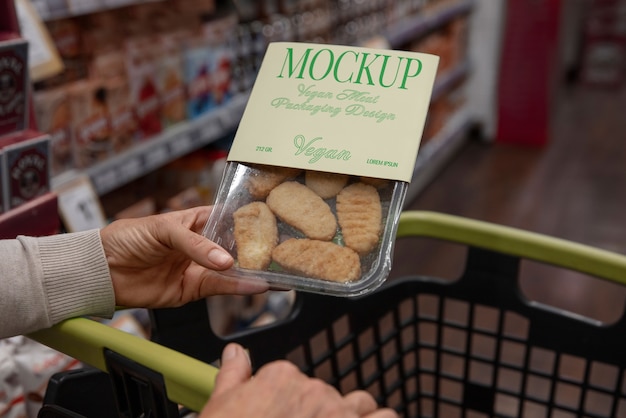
{"type": "Point", "coordinates": [376, 182]}
{"type": "Point", "coordinates": [256, 235]}
{"type": "Point", "coordinates": [263, 178]}
{"type": "Point", "coordinates": [318, 259]}
{"type": "Point", "coordinates": [359, 213]}
{"type": "Point", "coordinates": [326, 185]}
{"type": "Point", "coordinates": [298, 206]}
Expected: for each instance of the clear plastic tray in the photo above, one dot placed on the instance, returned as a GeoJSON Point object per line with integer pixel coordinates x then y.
{"type": "Point", "coordinates": [240, 187]}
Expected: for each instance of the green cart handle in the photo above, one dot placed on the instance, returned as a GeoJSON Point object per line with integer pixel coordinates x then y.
{"type": "Point", "coordinates": [188, 381]}
{"type": "Point", "coordinates": [516, 242]}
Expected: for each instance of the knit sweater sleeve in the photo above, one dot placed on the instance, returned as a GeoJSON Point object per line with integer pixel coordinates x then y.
{"type": "Point", "coordinates": [48, 279]}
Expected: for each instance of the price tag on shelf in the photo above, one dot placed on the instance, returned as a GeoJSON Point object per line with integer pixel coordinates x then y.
{"type": "Point", "coordinates": [105, 181]}
{"type": "Point", "coordinates": [212, 129]}
{"type": "Point", "coordinates": [180, 145]}
{"type": "Point", "coordinates": [195, 136]}
{"type": "Point", "coordinates": [131, 168]}
{"type": "Point", "coordinates": [79, 206]}
{"type": "Point", "coordinates": [156, 157]}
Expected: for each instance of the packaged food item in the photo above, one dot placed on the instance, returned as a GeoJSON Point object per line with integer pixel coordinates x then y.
{"type": "Point", "coordinates": [12, 398]}
{"type": "Point", "coordinates": [14, 83]}
{"type": "Point", "coordinates": [36, 364]}
{"type": "Point", "coordinates": [319, 168]}
{"type": "Point", "coordinates": [171, 79]}
{"type": "Point", "coordinates": [91, 130]}
{"type": "Point", "coordinates": [3, 198]}
{"type": "Point", "coordinates": [52, 111]}
{"type": "Point", "coordinates": [26, 161]}
{"type": "Point", "coordinates": [141, 64]}
{"type": "Point", "coordinates": [197, 58]}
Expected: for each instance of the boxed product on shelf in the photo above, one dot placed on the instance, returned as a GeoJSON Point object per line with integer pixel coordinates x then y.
{"type": "Point", "coordinates": [14, 83]}
{"type": "Point", "coordinates": [171, 79]}
{"type": "Point", "coordinates": [91, 133]}
{"type": "Point", "coordinates": [142, 54]}
{"type": "Point", "coordinates": [198, 81]}
{"type": "Point", "coordinates": [208, 59]}
{"type": "Point", "coordinates": [37, 217]}
{"type": "Point", "coordinates": [121, 114]}
{"type": "Point", "coordinates": [26, 165]}
{"type": "Point", "coordinates": [66, 36]}
{"type": "Point", "coordinates": [320, 165]}
{"type": "Point", "coordinates": [220, 34]}
{"type": "Point", "coordinates": [3, 206]}
{"type": "Point", "coordinates": [52, 113]}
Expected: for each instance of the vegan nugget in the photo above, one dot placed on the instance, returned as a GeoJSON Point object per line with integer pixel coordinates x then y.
{"type": "Point", "coordinates": [265, 177]}
{"type": "Point", "coordinates": [376, 182]}
{"type": "Point", "coordinates": [298, 206]}
{"type": "Point", "coordinates": [256, 235]}
{"type": "Point", "coordinates": [326, 185]}
{"type": "Point", "coordinates": [359, 213]}
{"type": "Point", "coordinates": [318, 259]}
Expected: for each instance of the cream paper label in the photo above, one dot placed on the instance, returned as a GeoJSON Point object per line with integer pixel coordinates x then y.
{"type": "Point", "coordinates": [338, 109]}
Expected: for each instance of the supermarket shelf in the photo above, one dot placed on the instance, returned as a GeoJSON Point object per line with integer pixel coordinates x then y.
{"type": "Point", "coordinates": [438, 151]}
{"type": "Point", "coordinates": [47, 10]}
{"type": "Point", "coordinates": [147, 156]}
{"type": "Point", "coordinates": [416, 26]}
{"type": "Point", "coordinates": [449, 79]}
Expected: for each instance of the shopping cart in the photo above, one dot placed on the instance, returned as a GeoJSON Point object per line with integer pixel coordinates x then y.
{"type": "Point", "coordinates": [427, 347]}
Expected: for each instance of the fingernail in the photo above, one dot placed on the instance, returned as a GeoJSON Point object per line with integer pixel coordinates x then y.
{"type": "Point", "coordinates": [219, 257]}
{"type": "Point", "coordinates": [230, 352]}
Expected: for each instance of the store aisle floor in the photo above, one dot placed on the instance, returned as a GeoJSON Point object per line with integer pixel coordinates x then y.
{"type": "Point", "coordinates": [574, 188]}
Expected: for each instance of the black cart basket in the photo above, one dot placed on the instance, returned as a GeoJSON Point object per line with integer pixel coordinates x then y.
{"type": "Point", "coordinates": [425, 346]}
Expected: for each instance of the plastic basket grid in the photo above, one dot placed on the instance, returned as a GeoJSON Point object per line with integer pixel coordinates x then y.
{"type": "Point", "coordinates": [434, 348]}
{"type": "Point", "coordinates": [432, 355]}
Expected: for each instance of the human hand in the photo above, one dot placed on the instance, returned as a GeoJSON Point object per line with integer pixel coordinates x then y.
{"type": "Point", "coordinates": [279, 390]}
{"type": "Point", "coordinates": [164, 261]}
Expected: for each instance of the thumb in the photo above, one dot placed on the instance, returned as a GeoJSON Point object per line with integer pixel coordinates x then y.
{"type": "Point", "coordinates": [235, 369]}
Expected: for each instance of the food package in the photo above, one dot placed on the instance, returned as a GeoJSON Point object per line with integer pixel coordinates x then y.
{"type": "Point", "coordinates": [197, 60]}
{"type": "Point", "coordinates": [12, 399]}
{"type": "Point", "coordinates": [3, 198]}
{"type": "Point", "coordinates": [170, 79]}
{"type": "Point", "coordinates": [123, 125]}
{"type": "Point", "coordinates": [52, 112]}
{"type": "Point", "coordinates": [14, 83]}
{"type": "Point", "coordinates": [26, 165]}
{"type": "Point", "coordinates": [91, 130]}
{"type": "Point", "coordinates": [142, 54]}
{"type": "Point", "coordinates": [35, 364]}
{"type": "Point", "coordinates": [319, 168]}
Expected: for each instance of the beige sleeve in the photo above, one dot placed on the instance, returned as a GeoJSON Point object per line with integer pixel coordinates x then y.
{"type": "Point", "coordinates": [48, 279]}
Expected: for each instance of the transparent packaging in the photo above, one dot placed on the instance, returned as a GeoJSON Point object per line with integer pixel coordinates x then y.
{"type": "Point", "coordinates": [273, 221]}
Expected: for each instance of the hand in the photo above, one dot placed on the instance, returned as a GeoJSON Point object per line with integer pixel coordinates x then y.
{"type": "Point", "coordinates": [164, 261]}
{"type": "Point", "coordinates": [278, 390]}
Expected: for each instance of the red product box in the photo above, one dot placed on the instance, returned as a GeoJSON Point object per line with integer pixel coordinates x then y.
{"type": "Point", "coordinates": [2, 178]}
{"type": "Point", "coordinates": [14, 83]}
{"type": "Point", "coordinates": [39, 217]}
{"type": "Point", "coordinates": [26, 167]}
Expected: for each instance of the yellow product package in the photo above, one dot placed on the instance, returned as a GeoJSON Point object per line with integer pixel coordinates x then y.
{"type": "Point", "coordinates": [319, 168]}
